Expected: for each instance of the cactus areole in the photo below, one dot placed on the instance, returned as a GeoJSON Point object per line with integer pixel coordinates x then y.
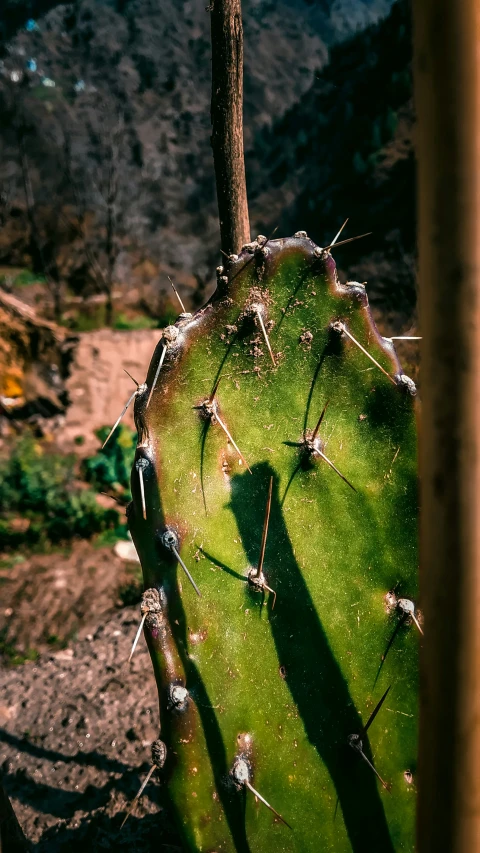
{"type": "Point", "coordinates": [275, 514]}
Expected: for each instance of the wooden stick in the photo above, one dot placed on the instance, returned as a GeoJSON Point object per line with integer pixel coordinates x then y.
{"type": "Point", "coordinates": [227, 123]}
{"type": "Point", "coordinates": [447, 91]}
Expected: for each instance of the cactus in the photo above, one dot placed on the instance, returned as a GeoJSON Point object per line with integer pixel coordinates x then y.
{"type": "Point", "coordinates": [275, 514]}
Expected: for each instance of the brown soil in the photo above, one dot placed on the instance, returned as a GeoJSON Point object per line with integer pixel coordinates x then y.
{"type": "Point", "coordinates": [47, 598]}
{"type": "Point", "coordinates": [75, 735]}
{"type": "Point", "coordinates": [76, 724]}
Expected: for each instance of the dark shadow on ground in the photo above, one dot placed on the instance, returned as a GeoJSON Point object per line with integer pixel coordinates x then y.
{"type": "Point", "coordinates": [63, 803]}
{"type": "Point", "coordinates": [91, 759]}
{"type": "Point", "coordinates": [148, 834]}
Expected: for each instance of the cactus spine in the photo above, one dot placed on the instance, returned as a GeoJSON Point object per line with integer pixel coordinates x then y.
{"type": "Point", "coordinates": [277, 451]}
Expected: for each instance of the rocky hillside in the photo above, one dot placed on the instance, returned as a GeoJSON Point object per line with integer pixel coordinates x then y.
{"type": "Point", "coordinates": [106, 120]}
{"type": "Point", "coordinates": [346, 149]}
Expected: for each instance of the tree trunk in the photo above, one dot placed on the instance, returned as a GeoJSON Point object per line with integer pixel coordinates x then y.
{"type": "Point", "coordinates": [36, 248]}
{"type": "Point", "coordinates": [447, 60]}
{"type": "Point", "coordinates": [57, 300]}
{"type": "Point", "coordinates": [227, 123]}
{"type": "Point", "coordinates": [111, 242]}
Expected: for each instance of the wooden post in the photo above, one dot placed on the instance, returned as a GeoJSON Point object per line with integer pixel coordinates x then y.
{"type": "Point", "coordinates": [227, 123]}
{"type": "Point", "coordinates": [447, 86]}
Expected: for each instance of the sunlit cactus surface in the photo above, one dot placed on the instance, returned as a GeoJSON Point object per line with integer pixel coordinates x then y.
{"type": "Point", "coordinates": [275, 514]}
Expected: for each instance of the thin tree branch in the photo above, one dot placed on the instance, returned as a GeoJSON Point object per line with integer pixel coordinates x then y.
{"type": "Point", "coordinates": [227, 123]}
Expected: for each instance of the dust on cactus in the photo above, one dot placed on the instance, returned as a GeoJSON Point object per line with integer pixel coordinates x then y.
{"type": "Point", "coordinates": [274, 511]}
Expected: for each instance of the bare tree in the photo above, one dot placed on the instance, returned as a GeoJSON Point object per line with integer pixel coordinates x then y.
{"type": "Point", "coordinates": [42, 253]}
{"type": "Point", "coordinates": [111, 241]}
{"type": "Point", "coordinates": [84, 163]}
{"type": "Point", "coordinates": [101, 254]}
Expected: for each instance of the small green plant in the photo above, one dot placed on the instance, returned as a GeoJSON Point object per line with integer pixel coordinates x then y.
{"type": "Point", "coordinates": [109, 469]}
{"type": "Point", "coordinates": [26, 277]}
{"type": "Point", "coordinates": [41, 500]}
{"type": "Point", "coordinates": [11, 655]}
{"type": "Point", "coordinates": [141, 321]}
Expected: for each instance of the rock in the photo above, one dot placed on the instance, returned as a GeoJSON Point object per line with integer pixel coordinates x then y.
{"type": "Point", "coordinates": [98, 387]}
{"type": "Point", "coordinates": [126, 551]}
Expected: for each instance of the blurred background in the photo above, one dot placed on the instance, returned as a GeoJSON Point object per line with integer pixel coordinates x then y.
{"type": "Point", "coordinates": [106, 189]}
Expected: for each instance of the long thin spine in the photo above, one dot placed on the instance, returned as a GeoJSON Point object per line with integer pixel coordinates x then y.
{"type": "Point", "coordinates": [272, 234]}
{"type": "Point", "coordinates": [337, 235]}
{"type": "Point", "coordinates": [417, 623]}
{"type": "Point", "coordinates": [174, 550]}
{"type": "Point", "coordinates": [377, 774]}
{"type": "Point", "coordinates": [342, 242]}
{"type": "Point", "coordinates": [182, 306]}
{"type": "Point", "coordinates": [142, 492]}
{"type": "Point", "coordinates": [222, 425]}
{"type": "Point", "coordinates": [263, 800]}
{"type": "Point", "coordinates": [265, 530]}
{"type": "Point", "coordinates": [131, 377]}
{"type": "Point", "coordinates": [137, 797]}
{"type": "Point", "coordinates": [358, 344]}
{"type": "Point", "coordinates": [265, 335]}
{"type": "Point", "coordinates": [328, 461]}
{"type": "Point", "coordinates": [137, 636]}
{"type": "Point", "coordinates": [157, 373]}
{"type": "Point", "coordinates": [119, 418]}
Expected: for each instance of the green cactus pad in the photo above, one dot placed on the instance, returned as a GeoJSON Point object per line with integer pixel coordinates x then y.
{"type": "Point", "coordinates": [280, 670]}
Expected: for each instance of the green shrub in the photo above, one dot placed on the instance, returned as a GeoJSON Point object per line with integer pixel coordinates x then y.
{"type": "Point", "coordinates": [109, 469]}
{"type": "Point", "coordinates": [11, 655]}
{"type": "Point", "coordinates": [40, 488]}
{"type": "Point", "coordinates": [26, 277]}
{"type": "Point", "coordinates": [124, 323]}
